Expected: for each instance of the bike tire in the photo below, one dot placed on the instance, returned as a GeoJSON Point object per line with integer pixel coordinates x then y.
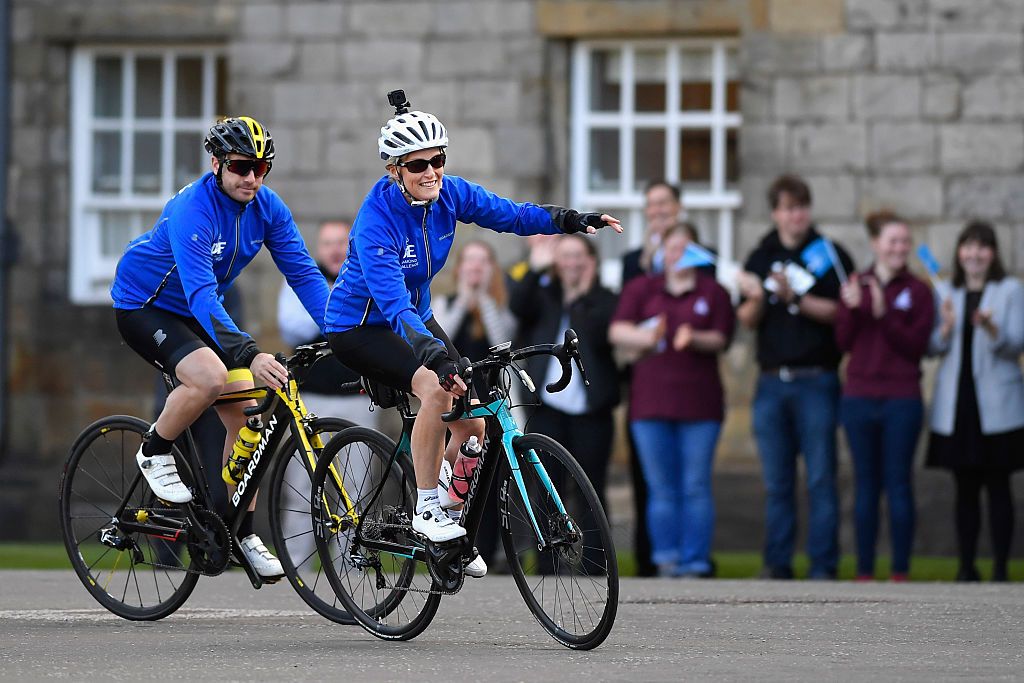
{"type": "Point", "coordinates": [97, 477]}
{"type": "Point", "coordinates": [291, 526]}
{"type": "Point", "coordinates": [571, 586]}
{"type": "Point", "coordinates": [404, 606]}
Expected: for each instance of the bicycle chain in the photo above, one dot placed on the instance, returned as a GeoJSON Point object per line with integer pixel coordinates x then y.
{"type": "Point", "coordinates": [408, 528]}
{"type": "Point", "coordinates": [189, 569]}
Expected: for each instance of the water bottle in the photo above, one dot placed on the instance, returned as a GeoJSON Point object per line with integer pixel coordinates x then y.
{"type": "Point", "coordinates": [465, 464]}
{"type": "Point", "coordinates": [241, 452]}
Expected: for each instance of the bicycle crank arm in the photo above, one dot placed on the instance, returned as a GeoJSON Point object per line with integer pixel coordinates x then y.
{"type": "Point", "coordinates": [164, 533]}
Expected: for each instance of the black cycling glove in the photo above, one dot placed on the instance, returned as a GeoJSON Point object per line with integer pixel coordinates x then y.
{"type": "Point", "coordinates": [570, 220]}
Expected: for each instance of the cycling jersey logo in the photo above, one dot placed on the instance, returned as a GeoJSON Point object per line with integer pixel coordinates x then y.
{"type": "Point", "coordinates": [409, 259]}
{"type": "Point", "coordinates": [159, 337]}
{"type": "Point", "coordinates": [217, 250]}
{"type": "Point", "coordinates": [446, 236]}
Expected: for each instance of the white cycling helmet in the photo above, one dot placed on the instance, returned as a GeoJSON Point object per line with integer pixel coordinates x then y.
{"type": "Point", "coordinates": [409, 132]}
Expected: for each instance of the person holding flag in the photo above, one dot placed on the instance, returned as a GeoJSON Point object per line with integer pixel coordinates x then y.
{"type": "Point", "coordinates": [884, 323]}
{"type": "Point", "coordinates": [678, 321]}
{"type": "Point", "coordinates": [790, 291]}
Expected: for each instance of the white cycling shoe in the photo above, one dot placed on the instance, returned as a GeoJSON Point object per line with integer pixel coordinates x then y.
{"type": "Point", "coordinates": [477, 568]}
{"type": "Point", "coordinates": [436, 525]}
{"type": "Point", "coordinates": [162, 476]}
{"type": "Point", "coordinates": [265, 564]}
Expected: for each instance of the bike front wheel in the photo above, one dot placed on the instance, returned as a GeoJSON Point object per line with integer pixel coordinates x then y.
{"type": "Point", "coordinates": [291, 526]}
{"type": "Point", "coordinates": [135, 575]}
{"type": "Point", "coordinates": [559, 544]}
{"type": "Point", "coordinates": [363, 502]}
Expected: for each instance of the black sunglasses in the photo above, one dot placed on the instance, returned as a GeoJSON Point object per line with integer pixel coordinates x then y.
{"type": "Point", "coordinates": [244, 167]}
{"type": "Point", "coordinates": [420, 165]}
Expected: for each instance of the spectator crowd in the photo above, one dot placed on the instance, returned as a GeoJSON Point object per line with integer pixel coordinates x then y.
{"type": "Point", "coordinates": [657, 343]}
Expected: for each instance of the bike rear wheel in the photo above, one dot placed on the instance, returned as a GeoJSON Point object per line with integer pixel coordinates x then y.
{"type": "Point", "coordinates": [291, 526]}
{"type": "Point", "coordinates": [388, 592]}
{"type": "Point", "coordinates": [571, 583]}
{"type": "Point", "coordinates": [148, 578]}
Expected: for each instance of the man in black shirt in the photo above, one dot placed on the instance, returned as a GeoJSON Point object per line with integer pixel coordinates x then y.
{"type": "Point", "coordinates": [790, 289]}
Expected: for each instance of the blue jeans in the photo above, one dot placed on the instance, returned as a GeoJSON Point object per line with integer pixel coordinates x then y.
{"type": "Point", "coordinates": [677, 457]}
{"type": "Point", "coordinates": [883, 435]}
{"type": "Point", "coordinates": [792, 417]}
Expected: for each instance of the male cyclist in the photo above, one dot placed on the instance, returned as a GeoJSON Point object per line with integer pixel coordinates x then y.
{"type": "Point", "coordinates": [167, 294]}
{"type": "Point", "coordinates": [378, 316]}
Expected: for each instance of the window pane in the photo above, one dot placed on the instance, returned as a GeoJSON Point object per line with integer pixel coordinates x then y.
{"type": "Point", "coordinates": [649, 90]}
{"type": "Point", "coordinates": [695, 80]}
{"type": "Point", "coordinates": [188, 158]}
{"type": "Point", "coordinates": [149, 85]}
{"type": "Point", "coordinates": [107, 93]}
{"type": "Point", "coordinates": [695, 158]}
{"type": "Point", "coordinates": [115, 232]}
{"type": "Point", "coordinates": [605, 80]}
{"type": "Point", "coordinates": [146, 177]}
{"type": "Point", "coordinates": [604, 159]}
{"type": "Point", "coordinates": [648, 156]}
{"type": "Point", "coordinates": [188, 87]}
{"type": "Point", "coordinates": [106, 162]}
{"type": "Point", "coordinates": [732, 157]}
{"type": "Point", "coordinates": [732, 86]}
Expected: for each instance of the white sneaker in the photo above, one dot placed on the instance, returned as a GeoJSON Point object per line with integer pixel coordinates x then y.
{"type": "Point", "coordinates": [162, 476]}
{"type": "Point", "coordinates": [435, 524]}
{"type": "Point", "coordinates": [265, 564]}
{"type": "Point", "coordinates": [477, 568]}
{"type": "Point", "coordinates": [444, 480]}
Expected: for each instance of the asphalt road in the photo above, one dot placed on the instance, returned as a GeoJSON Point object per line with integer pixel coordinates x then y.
{"type": "Point", "coordinates": [667, 630]}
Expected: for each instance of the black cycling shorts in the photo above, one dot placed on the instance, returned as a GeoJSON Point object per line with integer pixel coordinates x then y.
{"type": "Point", "coordinates": [163, 338]}
{"type": "Point", "coordinates": [380, 355]}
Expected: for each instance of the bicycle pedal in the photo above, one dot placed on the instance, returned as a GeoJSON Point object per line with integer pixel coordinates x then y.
{"type": "Point", "coordinates": [270, 580]}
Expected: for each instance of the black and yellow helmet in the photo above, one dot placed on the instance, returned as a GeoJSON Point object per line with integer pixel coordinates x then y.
{"type": "Point", "coordinates": [240, 135]}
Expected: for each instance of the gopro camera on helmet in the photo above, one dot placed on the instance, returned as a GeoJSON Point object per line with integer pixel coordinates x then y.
{"type": "Point", "coordinates": [396, 98]}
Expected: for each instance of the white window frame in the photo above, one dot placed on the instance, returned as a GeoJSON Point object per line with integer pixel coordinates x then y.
{"type": "Point", "coordinates": [91, 271]}
{"type": "Point", "coordinates": [626, 198]}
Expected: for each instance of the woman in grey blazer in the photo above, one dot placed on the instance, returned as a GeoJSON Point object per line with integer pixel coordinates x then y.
{"type": "Point", "coordinates": [977, 420]}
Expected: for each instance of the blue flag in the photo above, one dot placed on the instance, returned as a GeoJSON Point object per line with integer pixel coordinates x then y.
{"type": "Point", "coordinates": [931, 264]}
{"type": "Point", "coordinates": [817, 257]}
{"type": "Point", "coordinates": [695, 256]}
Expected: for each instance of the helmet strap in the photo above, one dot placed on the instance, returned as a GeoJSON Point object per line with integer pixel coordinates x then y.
{"type": "Point", "coordinates": [220, 172]}
{"type": "Point", "coordinates": [408, 195]}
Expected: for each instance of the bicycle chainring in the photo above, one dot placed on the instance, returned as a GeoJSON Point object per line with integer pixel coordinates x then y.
{"type": "Point", "coordinates": [209, 546]}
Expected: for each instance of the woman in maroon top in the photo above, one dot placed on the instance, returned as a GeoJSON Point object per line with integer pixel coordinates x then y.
{"type": "Point", "coordinates": [681, 320]}
{"type": "Point", "coordinates": [884, 323]}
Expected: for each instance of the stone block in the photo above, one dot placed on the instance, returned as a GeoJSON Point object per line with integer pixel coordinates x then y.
{"type": "Point", "coordinates": [488, 57]}
{"type": "Point", "coordinates": [828, 147]}
{"type": "Point", "coordinates": [527, 54]}
{"type": "Point", "coordinates": [940, 97]}
{"type": "Point", "coordinates": [374, 59]}
{"type": "Point", "coordinates": [816, 98]}
{"type": "Point", "coordinates": [479, 100]}
{"type": "Point", "coordinates": [986, 196]}
{"type": "Point", "coordinates": [262, 59]}
{"type": "Point", "coordinates": [757, 98]}
{"type": "Point", "coordinates": [304, 102]}
{"type": "Point", "coordinates": [300, 148]}
{"type": "Point", "coordinates": [521, 152]}
{"type": "Point", "coordinates": [990, 15]}
{"type": "Point", "coordinates": [906, 51]}
{"type": "Point", "coordinates": [902, 147]}
{"type": "Point", "coordinates": [835, 196]}
{"type": "Point", "coordinates": [388, 20]}
{"type": "Point", "coordinates": [912, 196]}
{"type": "Point", "coordinates": [320, 19]}
{"type": "Point", "coordinates": [768, 53]}
{"type": "Point", "coordinates": [847, 52]}
{"type": "Point", "coordinates": [806, 16]}
{"type": "Point", "coordinates": [477, 157]}
{"type": "Point", "coordinates": [886, 14]}
{"type": "Point", "coordinates": [28, 61]}
{"type": "Point", "coordinates": [982, 147]}
{"type": "Point", "coordinates": [886, 97]}
{"type": "Point", "coordinates": [262, 20]}
{"type": "Point", "coordinates": [763, 147]}
{"type": "Point", "coordinates": [319, 59]}
{"type": "Point", "coordinates": [438, 96]}
{"type": "Point", "coordinates": [28, 147]}
{"type": "Point", "coordinates": [994, 97]}
{"type": "Point", "coordinates": [22, 27]}
{"type": "Point", "coordinates": [982, 53]}
{"type": "Point", "coordinates": [483, 17]}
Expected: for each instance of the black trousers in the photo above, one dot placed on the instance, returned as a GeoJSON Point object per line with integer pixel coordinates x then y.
{"type": "Point", "coordinates": [996, 483]}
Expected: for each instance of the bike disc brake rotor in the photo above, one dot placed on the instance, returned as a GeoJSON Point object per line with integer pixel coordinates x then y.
{"type": "Point", "coordinates": [209, 545]}
{"type": "Point", "coordinates": [566, 539]}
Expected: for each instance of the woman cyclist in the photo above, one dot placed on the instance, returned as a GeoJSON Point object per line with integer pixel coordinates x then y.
{"type": "Point", "coordinates": [167, 294]}
{"type": "Point", "coordinates": [379, 321]}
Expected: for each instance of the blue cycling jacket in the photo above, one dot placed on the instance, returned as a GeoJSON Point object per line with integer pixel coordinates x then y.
{"type": "Point", "coordinates": [197, 248]}
{"type": "Point", "coordinates": [396, 249]}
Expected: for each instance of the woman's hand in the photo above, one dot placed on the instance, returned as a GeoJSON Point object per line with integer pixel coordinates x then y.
{"type": "Point", "coordinates": [750, 286]}
{"type": "Point", "coordinates": [850, 292]}
{"type": "Point", "coordinates": [948, 315]}
{"type": "Point", "coordinates": [877, 298]}
{"type": "Point", "coordinates": [683, 338]}
{"type": "Point", "coordinates": [267, 370]}
{"type": "Point", "coordinates": [983, 319]}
